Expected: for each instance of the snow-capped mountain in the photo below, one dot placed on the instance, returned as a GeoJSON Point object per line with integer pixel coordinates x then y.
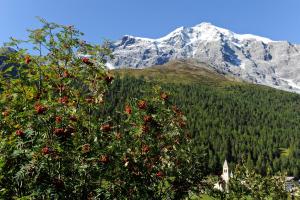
{"type": "Point", "coordinates": [249, 57]}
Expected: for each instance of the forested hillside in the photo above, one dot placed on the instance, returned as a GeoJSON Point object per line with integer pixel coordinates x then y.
{"type": "Point", "coordinates": [234, 120]}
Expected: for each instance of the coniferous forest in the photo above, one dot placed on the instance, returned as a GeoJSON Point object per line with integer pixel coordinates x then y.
{"type": "Point", "coordinates": [235, 121]}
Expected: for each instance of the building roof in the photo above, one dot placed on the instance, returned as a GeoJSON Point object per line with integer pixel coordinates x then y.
{"type": "Point", "coordinates": [225, 165]}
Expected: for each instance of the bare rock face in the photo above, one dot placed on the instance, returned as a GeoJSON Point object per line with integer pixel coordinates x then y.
{"type": "Point", "coordinates": [249, 57]}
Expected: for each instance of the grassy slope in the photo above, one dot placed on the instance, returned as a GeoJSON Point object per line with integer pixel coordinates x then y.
{"type": "Point", "coordinates": [178, 72]}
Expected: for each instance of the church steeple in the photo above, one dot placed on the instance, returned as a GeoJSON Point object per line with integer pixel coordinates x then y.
{"type": "Point", "coordinates": [225, 174]}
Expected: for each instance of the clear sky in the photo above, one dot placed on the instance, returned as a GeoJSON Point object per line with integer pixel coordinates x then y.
{"type": "Point", "coordinates": [111, 19]}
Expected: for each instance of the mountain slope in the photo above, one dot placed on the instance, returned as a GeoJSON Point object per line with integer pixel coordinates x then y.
{"type": "Point", "coordinates": [183, 72]}
{"type": "Point", "coordinates": [249, 57]}
{"type": "Point", "coordinates": [233, 120]}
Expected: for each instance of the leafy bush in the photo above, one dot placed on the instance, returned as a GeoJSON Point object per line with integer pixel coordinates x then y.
{"type": "Point", "coordinates": [57, 143]}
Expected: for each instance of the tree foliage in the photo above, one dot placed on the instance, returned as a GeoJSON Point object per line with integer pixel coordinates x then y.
{"type": "Point", "coordinates": [59, 142]}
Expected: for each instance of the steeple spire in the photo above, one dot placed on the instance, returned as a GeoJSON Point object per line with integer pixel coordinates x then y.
{"type": "Point", "coordinates": [225, 174]}
{"type": "Point", "coordinates": [225, 165]}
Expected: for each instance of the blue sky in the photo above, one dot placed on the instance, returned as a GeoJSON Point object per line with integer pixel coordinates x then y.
{"type": "Point", "coordinates": [111, 19]}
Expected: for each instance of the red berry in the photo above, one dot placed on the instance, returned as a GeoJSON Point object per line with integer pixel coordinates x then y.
{"type": "Point", "coordinates": [63, 100]}
{"type": "Point", "coordinates": [145, 149]}
{"type": "Point", "coordinates": [59, 131]}
{"type": "Point", "coordinates": [46, 150]}
{"type": "Point", "coordinates": [86, 60]}
{"type": "Point", "coordinates": [66, 74]}
{"type": "Point", "coordinates": [128, 109]}
{"type": "Point", "coordinates": [159, 174]}
{"type": "Point", "coordinates": [142, 104]}
{"type": "Point", "coordinates": [86, 148]}
{"type": "Point", "coordinates": [164, 96]}
{"type": "Point", "coordinates": [40, 109]}
{"type": "Point", "coordinates": [145, 129]}
{"type": "Point", "coordinates": [20, 133]}
{"type": "Point", "coordinates": [106, 127]}
{"type": "Point", "coordinates": [147, 118]}
{"type": "Point", "coordinates": [181, 123]}
{"type": "Point", "coordinates": [104, 159]}
{"type": "Point", "coordinates": [58, 119]}
{"type": "Point", "coordinates": [176, 110]}
{"type": "Point", "coordinates": [27, 59]}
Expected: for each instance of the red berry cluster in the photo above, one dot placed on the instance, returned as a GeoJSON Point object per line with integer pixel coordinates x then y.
{"type": "Point", "coordinates": [59, 131]}
{"type": "Point", "coordinates": [86, 61]}
{"type": "Point", "coordinates": [142, 104]}
{"type": "Point", "coordinates": [145, 128]}
{"type": "Point", "coordinates": [86, 148]}
{"type": "Point", "coordinates": [20, 133]}
{"type": "Point", "coordinates": [64, 132]}
{"type": "Point", "coordinates": [145, 148]}
{"type": "Point", "coordinates": [147, 118]}
{"type": "Point", "coordinates": [63, 100]}
{"type": "Point", "coordinates": [40, 109]}
{"type": "Point", "coordinates": [58, 119]}
{"type": "Point", "coordinates": [128, 109]}
{"type": "Point", "coordinates": [27, 59]}
{"type": "Point", "coordinates": [66, 74]}
{"type": "Point", "coordinates": [47, 150]}
{"type": "Point", "coordinates": [160, 174]}
{"type": "Point", "coordinates": [106, 127]}
{"type": "Point", "coordinates": [104, 159]}
{"type": "Point", "coordinates": [164, 96]}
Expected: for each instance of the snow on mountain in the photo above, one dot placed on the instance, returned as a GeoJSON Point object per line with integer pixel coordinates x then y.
{"type": "Point", "coordinates": [252, 58]}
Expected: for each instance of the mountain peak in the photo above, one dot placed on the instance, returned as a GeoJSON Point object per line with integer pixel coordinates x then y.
{"type": "Point", "coordinates": [249, 57]}
{"type": "Point", "coordinates": [203, 31]}
{"type": "Point", "coordinates": [212, 29]}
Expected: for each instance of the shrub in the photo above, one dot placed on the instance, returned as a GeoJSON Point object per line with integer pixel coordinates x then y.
{"type": "Point", "coordinates": [56, 143]}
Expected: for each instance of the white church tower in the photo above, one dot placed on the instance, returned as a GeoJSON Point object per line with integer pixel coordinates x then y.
{"type": "Point", "coordinates": [225, 175]}
{"type": "Point", "coordinates": [223, 186]}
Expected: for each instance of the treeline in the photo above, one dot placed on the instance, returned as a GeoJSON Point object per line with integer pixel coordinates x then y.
{"type": "Point", "coordinates": [256, 124]}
